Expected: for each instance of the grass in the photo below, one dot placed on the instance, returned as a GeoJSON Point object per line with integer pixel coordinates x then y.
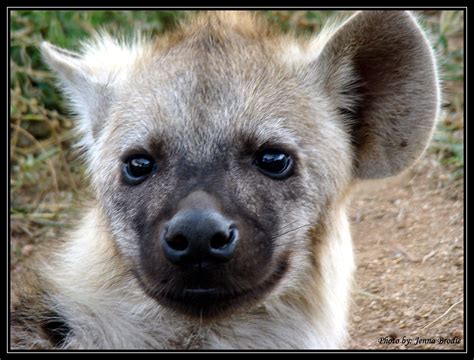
{"type": "Point", "coordinates": [46, 174]}
{"type": "Point", "coordinates": [447, 28]}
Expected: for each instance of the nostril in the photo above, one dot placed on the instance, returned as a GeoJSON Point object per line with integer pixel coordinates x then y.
{"type": "Point", "coordinates": [222, 239]}
{"type": "Point", "coordinates": [178, 242]}
{"type": "Point", "coordinates": [219, 240]}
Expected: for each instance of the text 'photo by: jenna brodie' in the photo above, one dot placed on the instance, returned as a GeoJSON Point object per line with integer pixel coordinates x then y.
{"type": "Point", "coordinates": [417, 340]}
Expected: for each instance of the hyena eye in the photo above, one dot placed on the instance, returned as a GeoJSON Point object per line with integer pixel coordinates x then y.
{"type": "Point", "coordinates": [274, 163]}
{"type": "Point", "coordinates": [137, 167]}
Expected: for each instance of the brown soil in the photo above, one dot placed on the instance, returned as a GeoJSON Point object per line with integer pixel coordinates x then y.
{"type": "Point", "coordinates": [409, 243]}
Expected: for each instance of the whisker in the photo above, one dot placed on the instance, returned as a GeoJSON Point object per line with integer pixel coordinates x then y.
{"type": "Point", "coordinates": [287, 225]}
{"type": "Point", "coordinates": [293, 241]}
{"type": "Point", "coordinates": [291, 230]}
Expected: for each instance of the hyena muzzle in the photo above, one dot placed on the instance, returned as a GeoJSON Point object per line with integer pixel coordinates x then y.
{"type": "Point", "coordinates": [221, 157]}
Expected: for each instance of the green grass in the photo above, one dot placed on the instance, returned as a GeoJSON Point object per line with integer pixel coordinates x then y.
{"type": "Point", "coordinates": [447, 29]}
{"type": "Point", "coordinates": [44, 169]}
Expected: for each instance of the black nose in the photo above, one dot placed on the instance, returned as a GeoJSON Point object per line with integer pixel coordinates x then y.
{"type": "Point", "coordinates": [197, 236]}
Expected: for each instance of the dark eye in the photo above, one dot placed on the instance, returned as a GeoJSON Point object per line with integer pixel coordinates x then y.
{"type": "Point", "coordinates": [274, 163]}
{"type": "Point", "coordinates": [137, 168]}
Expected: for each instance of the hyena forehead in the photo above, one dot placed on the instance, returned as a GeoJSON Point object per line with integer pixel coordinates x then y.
{"type": "Point", "coordinates": [236, 88]}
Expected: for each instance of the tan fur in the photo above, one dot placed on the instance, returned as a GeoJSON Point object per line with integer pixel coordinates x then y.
{"type": "Point", "coordinates": [357, 102]}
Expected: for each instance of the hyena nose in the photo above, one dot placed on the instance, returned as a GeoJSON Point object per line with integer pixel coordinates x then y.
{"type": "Point", "coordinates": [196, 236]}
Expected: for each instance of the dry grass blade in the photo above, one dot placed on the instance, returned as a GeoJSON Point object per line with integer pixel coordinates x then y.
{"type": "Point", "coordinates": [443, 315]}
{"type": "Point", "coordinates": [48, 161]}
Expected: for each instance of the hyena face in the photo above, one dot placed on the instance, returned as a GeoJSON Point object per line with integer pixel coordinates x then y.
{"type": "Point", "coordinates": [216, 152]}
{"type": "Point", "coordinates": [206, 173]}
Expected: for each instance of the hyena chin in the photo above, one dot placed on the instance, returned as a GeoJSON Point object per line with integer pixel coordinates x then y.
{"type": "Point", "coordinates": [221, 157]}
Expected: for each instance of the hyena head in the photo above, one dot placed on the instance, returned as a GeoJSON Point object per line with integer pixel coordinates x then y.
{"type": "Point", "coordinates": [218, 150]}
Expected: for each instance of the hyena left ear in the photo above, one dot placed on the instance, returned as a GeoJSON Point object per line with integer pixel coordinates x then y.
{"type": "Point", "coordinates": [379, 69]}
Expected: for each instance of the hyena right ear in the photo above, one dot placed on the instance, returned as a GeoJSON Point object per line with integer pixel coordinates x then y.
{"type": "Point", "coordinates": [379, 70]}
{"type": "Point", "coordinates": [90, 77]}
{"type": "Point", "coordinates": [87, 95]}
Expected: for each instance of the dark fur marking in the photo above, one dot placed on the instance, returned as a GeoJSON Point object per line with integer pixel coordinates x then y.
{"type": "Point", "coordinates": [56, 328]}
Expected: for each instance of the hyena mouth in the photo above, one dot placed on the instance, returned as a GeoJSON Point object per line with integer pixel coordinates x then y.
{"type": "Point", "coordinates": [215, 302]}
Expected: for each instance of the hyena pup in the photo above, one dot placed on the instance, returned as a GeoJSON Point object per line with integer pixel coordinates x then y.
{"type": "Point", "coordinates": [221, 157]}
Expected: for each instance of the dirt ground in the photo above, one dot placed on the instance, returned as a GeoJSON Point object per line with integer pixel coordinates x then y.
{"type": "Point", "coordinates": [408, 237]}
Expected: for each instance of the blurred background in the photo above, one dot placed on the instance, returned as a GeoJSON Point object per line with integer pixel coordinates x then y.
{"type": "Point", "coordinates": [47, 177]}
